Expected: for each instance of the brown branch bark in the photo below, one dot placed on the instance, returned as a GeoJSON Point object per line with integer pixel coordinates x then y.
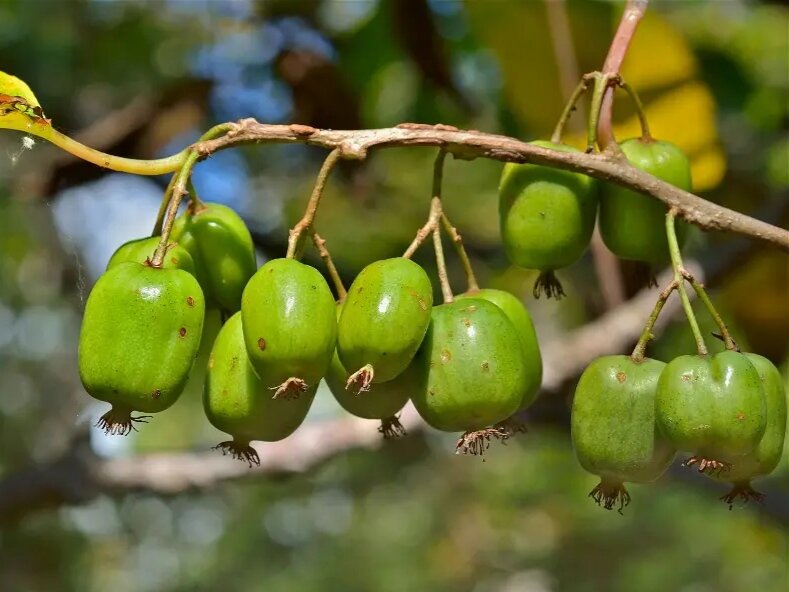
{"type": "Point", "coordinates": [470, 144]}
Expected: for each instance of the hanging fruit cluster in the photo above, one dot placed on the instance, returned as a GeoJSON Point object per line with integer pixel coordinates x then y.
{"type": "Point", "coordinates": [471, 364]}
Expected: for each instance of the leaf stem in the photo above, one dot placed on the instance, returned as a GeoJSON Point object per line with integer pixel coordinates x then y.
{"type": "Point", "coordinates": [646, 334]}
{"type": "Point", "coordinates": [569, 108]}
{"type": "Point", "coordinates": [676, 264]}
{"type": "Point", "coordinates": [295, 241]}
{"type": "Point", "coordinates": [320, 246]}
{"type": "Point", "coordinates": [135, 166]}
{"type": "Point", "coordinates": [457, 240]}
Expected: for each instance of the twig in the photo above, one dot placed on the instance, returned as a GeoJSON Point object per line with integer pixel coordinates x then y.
{"type": "Point", "coordinates": [356, 144]}
{"type": "Point", "coordinates": [631, 17]}
{"type": "Point", "coordinates": [294, 240]}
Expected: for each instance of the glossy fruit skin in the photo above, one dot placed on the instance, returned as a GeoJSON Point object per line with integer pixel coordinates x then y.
{"type": "Point", "coordinates": [613, 421]}
{"type": "Point", "coordinates": [763, 459]}
{"type": "Point", "coordinates": [223, 252]}
{"type": "Point", "coordinates": [385, 317]}
{"type": "Point", "coordinates": [521, 319]}
{"type": "Point", "coordinates": [140, 335]}
{"type": "Point", "coordinates": [235, 399]}
{"type": "Point", "coordinates": [471, 367]}
{"type": "Point", "coordinates": [713, 406]}
{"type": "Point", "coordinates": [289, 320]}
{"type": "Point", "coordinates": [142, 249]}
{"type": "Point", "coordinates": [632, 224]}
{"type": "Point", "coordinates": [382, 400]}
{"type": "Point", "coordinates": [546, 215]}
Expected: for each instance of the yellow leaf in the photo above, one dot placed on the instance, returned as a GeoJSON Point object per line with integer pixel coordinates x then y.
{"type": "Point", "coordinates": [19, 108]}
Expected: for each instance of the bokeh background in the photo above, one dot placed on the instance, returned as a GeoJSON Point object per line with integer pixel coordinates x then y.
{"type": "Point", "coordinates": [143, 78]}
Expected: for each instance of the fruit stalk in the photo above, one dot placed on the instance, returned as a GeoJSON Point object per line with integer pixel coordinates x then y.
{"type": "Point", "coordinates": [214, 132]}
{"type": "Point", "coordinates": [295, 242]}
{"type": "Point", "coordinates": [646, 334]}
{"type": "Point", "coordinates": [704, 297]}
{"type": "Point", "coordinates": [676, 264]}
{"type": "Point", "coordinates": [602, 82]}
{"type": "Point", "coordinates": [457, 240]}
{"type": "Point", "coordinates": [178, 192]}
{"type": "Point", "coordinates": [569, 108]}
{"type": "Point", "coordinates": [640, 111]}
{"type": "Point", "coordinates": [443, 278]}
{"type": "Point", "coordinates": [320, 246]}
{"type": "Point", "coordinates": [631, 17]}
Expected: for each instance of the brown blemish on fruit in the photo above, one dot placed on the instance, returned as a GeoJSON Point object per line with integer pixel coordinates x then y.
{"type": "Point", "coordinates": [156, 394]}
{"type": "Point", "coordinates": [740, 415]}
{"type": "Point", "coordinates": [686, 377]}
{"type": "Point", "coordinates": [262, 344]}
{"type": "Point", "coordinates": [174, 261]}
{"type": "Point", "coordinates": [190, 301]}
{"type": "Point", "coordinates": [422, 304]}
{"type": "Point", "coordinates": [446, 355]}
{"type": "Point", "coordinates": [621, 376]}
{"type": "Point", "coordinates": [469, 309]}
{"type": "Point", "coordinates": [182, 332]}
{"type": "Point", "coordinates": [467, 322]}
{"type": "Point", "coordinates": [485, 367]}
{"type": "Point", "coordinates": [233, 362]}
{"type": "Point", "coordinates": [431, 392]}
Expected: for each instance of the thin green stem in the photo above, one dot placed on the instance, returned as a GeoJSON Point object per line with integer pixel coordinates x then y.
{"type": "Point", "coordinates": [441, 264]}
{"type": "Point", "coordinates": [295, 240]}
{"type": "Point", "coordinates": [457, 240]}
{"type": "Point", "coordinates": [158, 166]}
{"type": "Point", "coordinates": [179, 190]}
{"type": "Point", "coordinates": [646, 334]}
{"type": "Point", "coordinates": [214, 132]}
{"type": "Point", "coordinates": [601, 84]}
{"type": "Point", "coordinates": [168, 192]}
{"type": "Point", "coordinates": [569, 108]}
{"type": "Point", "coordinates": [320, 246]}
{"type": "Point", "coordinates": [436, 208]}
{"type": "Point", "coordinates": [642, 116]}
{"type": "Point", "coordinates": [676, 264]}
{"type": "Point", "coordinates": [704, 297]}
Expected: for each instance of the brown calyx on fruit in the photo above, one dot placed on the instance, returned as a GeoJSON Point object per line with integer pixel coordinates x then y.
{"type": "Point", "coordinates": [391, 428]}
{"type": "Point", "coordinates": [609, 495]}
{"type": "Point", "coordinates": [119, 422]}
{"type": "Point", "coordinates": [240, 451]}
{"type": "Point", "coordinates": [512, 425]}
{"type": "Point", "coordinates": [361, 379]}
{"type": "Point", "coordinates": [707, 465]}
{"type": "Point", "coordinates": [290, 389]}
{"type": "Point", "coordinates": [476, 442]}
{"type": "Point", "coordinates": [742, 491]}
{"type": "Point", "coordinates": [547, 283]}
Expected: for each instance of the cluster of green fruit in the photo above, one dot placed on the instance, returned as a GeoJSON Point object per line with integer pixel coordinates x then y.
{"type": "Point", "coordinates": [547, 215]}
{"type": "Point", "coordinates": [631, 416]}
{"type": "Point", "coordinates": [468, 365]}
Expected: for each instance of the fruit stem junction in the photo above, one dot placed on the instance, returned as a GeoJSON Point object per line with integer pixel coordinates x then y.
{"type": "Point", "coordinates": [676, 264]}
{"type": "Point", "coordinates": [295, 240]}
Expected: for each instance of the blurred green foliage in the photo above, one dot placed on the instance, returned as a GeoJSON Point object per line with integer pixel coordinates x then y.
{"type": "Point", "coordinates": [410, 515]}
